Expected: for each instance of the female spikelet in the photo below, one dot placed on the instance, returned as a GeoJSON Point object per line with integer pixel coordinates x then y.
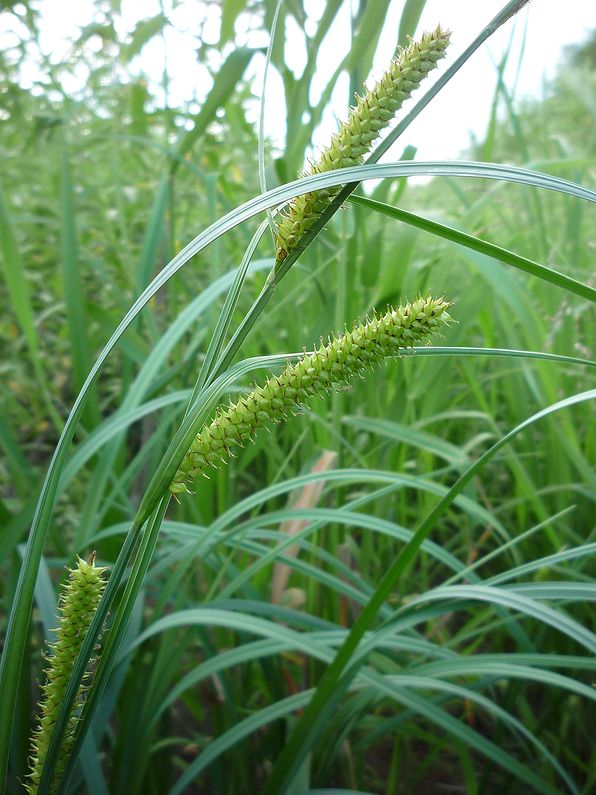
{"type": "Point", "coordinates": [328, 367]}
{"type": "Point", "coordinates": [78, 604]}
{"type": "Point", "coordinates": [373, 112]}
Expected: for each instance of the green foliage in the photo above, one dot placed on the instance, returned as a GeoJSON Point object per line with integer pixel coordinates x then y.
{"type": "Point", "coordinates": [429, 532]}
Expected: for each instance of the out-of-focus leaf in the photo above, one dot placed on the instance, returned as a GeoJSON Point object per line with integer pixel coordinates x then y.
{"type": "Point", "coordinates": [105, 32]}
{"type": "Point", "coordinates": [410, 17]}
{"type": "Point", "coordinates": [223, 88]}
{"type": "Point", "coordinates": [371, 23]}
{"type": "Point", "coordinates": [229, 14]}
{"type": "Point", "coordinates": [138, 117]}
{"type": "Point", "coordinates": [145, 30]}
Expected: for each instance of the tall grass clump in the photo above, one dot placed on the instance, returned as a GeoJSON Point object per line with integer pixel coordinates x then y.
{"type": "Point", "coordinates": [390, 594]}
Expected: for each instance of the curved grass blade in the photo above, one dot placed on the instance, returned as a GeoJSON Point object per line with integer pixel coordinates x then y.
{"type": "Point", "coordinates": [318, 517]}
{"type": "Point", "coordinates": [588, 550]}
{"type": "Point", "coordinates": [329, 688]}
{"type": "Point", "coordinates": [502, 548]}
{"type": "Point", "coordinates": [143, 381]}
{"type": "Point", "coordinates": [398, 432]}
{"type": "Point", "coordinates": [398, 688]}
{"type": "Point", "coordinates": [505, 665]}
{"type": "Point", "coordinates": [438, 350]}
{"type": "Point", "coordinates": [112, 427]}
{"type": "Point", "coordinates": [282, 268]}
{"type": "Point", "coordinates": [513, 601]}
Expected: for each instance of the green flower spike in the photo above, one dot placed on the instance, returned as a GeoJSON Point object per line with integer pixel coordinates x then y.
{"type": "Point", "coordinates": [78, 604]}
{"type": "Point", "coordinates": [373, 112]}
{"type": "Point", "coordinates": [329, 367]}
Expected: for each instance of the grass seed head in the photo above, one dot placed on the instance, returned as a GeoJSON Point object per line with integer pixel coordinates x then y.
{"type": "Point", "coordinates": [330, 366]}
{"type": "Point", "coordinates": [372, 113]}
{"type": "Point", "coordinates": [77, 607]}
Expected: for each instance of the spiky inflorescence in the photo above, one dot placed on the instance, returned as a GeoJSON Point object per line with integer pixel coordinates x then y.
{"type": "Point", "coordinates": [373, 112]}
{"type": "Point", "coordinates": [328, 367]}
{"type": "Point", "coordinates": [78, 604]}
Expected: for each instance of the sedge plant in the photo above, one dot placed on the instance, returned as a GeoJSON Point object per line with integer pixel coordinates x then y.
{"type": "Point", "coordinates": [211, 433]}
{"type": "Point", "coordinates": [343, 357]}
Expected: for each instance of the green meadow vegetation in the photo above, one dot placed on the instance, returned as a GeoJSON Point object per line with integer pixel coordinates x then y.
{"type": "Point", "coordinates": [306, 504]}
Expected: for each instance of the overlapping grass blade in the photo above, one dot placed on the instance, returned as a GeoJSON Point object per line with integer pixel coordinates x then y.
{"type": "Point", "coordinates": [224, 318]}
{"type": "Point", "coordinates": [147, 375]}
{"type": "Point", "coordinates": [396, 687]}
{"type": "Point", "coordinates": [586, 550]}
{"type": "Point", "coordinates": [399, 689]}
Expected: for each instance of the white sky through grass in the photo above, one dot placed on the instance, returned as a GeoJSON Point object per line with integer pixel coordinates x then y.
{"type": "Point", "coordinates": [540, 31]}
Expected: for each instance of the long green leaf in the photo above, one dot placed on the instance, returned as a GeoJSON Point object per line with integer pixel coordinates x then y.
{"type": "Point", "coordinates": [404, 433]}
{"type": "Point", "coordinates": [476, 244]}
{"type": "Point", "coordinates": [74, 292]}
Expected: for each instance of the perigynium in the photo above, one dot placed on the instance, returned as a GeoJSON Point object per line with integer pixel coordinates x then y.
{"type": "Point", "coordinates": [372, 113]}
{"type": "Point", "coordinates": [330, 366]}
{"type": "Point", "coordinates": [78, 604]}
